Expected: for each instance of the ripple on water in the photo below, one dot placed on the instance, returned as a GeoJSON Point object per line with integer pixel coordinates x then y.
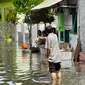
{"type": "Point", "coordinates": [43, 79]}
{"type": "Point", "coordinates": [1, 82]}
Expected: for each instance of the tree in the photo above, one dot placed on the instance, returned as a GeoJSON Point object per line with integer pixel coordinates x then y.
{"type": "Point", "coordinates": [43, 15]}
{"type": "Point", "coordinates": [11, 16]}
{"type": "Point", "coordinates": [36, 16]}
{"type": "Point", "coordinates": [25, 5]}
{"type": "Point", "coordinates": [32, 17]}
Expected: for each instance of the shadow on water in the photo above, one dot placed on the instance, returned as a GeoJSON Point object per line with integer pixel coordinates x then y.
{"type": "Point", "coordinates": [24, 68]}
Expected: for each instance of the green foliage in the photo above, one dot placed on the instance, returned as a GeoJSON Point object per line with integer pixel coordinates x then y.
{"type": "Point", "coordinates": [25, 5]}
{"type": "Point", "coordinates": [42, 15]}
{"type": "Point", "coordinates": [11, 16]}
{"type": "Point", "coordinates": [6, 34]}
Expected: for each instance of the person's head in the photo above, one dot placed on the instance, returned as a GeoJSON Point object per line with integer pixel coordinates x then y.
{"type": "Point", "coordinates": [44, 33]}
{"type": "Point", "coordinates": [54, 29]}
{"type": "Point", "coordinates": [49, 29]}
{"type": "Point", "coordinates": [39, 32]}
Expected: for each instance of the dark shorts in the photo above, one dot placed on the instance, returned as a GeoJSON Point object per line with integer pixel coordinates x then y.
{"type": "Point", "coordinates": [53, 67]}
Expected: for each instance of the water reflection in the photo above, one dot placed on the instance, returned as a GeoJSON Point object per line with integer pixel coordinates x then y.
{"type": "Point", "coordinates": [23, 65]}
{"type": "Point", "coordinates": [56, 82]}
{"type": "Point", "coordinates": [23, 68]}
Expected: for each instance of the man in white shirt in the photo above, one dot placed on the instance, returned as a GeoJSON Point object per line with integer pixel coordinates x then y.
{"type": "Point", "coordinates": [53, 54]}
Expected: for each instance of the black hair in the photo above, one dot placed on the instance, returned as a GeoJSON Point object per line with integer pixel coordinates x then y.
{"type": "Point", "coordinates": [49, 29]}
{"type": "Point", "coordinates": [44, 33]}
{"type": "Point", "coordinates": [39, 32]}
{"type": "Point", "coordinates": [54, 29]}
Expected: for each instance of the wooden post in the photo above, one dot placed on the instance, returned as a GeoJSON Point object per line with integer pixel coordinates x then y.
{"type": "Point", "coordinates": [76, 54]}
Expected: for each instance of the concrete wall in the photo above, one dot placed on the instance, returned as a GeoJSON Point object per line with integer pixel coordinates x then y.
{"type": "Point", "coordinates": [81, 22]}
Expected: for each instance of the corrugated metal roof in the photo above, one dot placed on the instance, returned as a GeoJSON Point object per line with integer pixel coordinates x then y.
{"type": "Point", "coordinates": [46, 3]}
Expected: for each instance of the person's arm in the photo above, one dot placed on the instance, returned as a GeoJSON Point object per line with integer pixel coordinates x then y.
{"type": "Point", "coordinates": [47, 53]}
{"type": "Point", "coordinates": [42, 37]}
{"type": "Point", "coordinates": [47, 49]}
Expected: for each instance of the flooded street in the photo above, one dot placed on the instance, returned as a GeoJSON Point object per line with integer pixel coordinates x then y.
{"type": "Point", "coordinates": [24, 68]}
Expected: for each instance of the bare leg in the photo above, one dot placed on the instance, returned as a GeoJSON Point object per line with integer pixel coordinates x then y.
{"type": "Point", "coordinates": [59, 78]}
{"type": "Point", "coordinates": [59, 75]}
{"type": "Point", "coordinates": [53, 82]}
{"type": "Point", "coordinates": [54, 78]}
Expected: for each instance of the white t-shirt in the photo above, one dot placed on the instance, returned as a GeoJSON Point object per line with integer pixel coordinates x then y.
{"type": "Point", "coordinates": [53, 45]}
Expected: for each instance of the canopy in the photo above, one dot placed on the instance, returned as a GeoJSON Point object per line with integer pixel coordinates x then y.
{"type": "Point", "coordinates": [46, 3]}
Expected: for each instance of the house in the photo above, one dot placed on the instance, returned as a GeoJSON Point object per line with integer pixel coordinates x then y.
{"type": "Point", "coordinates": [4, 6]}
{"type": "Point", "coordinates": [81, 23]}
{"type": "Point", "coordinates": [67, 22]}
{"type": "Point", "coordinates": [66, 15]}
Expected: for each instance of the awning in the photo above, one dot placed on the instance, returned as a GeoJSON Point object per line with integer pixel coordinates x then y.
{"type": "Point", "coordinates": [46, 3]}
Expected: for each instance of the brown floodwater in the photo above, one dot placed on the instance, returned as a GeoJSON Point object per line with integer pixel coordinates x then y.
{"type": "Point", "coordinates": [26, 68]}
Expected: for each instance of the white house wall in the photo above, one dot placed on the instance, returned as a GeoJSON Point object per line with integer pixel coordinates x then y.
{"type": "Point", "coordinates": [54, 24]}
{"type": "Point", "coordinates": [81, 14]}
{"type": "Point", "coordinates": [34, 32]}
{"type": "Point", "coordinates": [18, 27]}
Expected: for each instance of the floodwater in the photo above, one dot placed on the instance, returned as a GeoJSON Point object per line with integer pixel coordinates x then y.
{"type": "Point", "coordinates": [26, 68]}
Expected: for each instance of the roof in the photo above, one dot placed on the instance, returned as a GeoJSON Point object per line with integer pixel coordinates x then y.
{"type": "Point", "coordinates": [46, 4]}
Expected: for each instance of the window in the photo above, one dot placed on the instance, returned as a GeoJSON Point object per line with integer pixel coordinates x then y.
{"type": "Point", "coordinates": [67, 36]}
{"type": "Point", "coordinates": [74, 21]}
{"type": "Point", "coordinates": [0, 15]}
{"type": "Point", "coordinates": [62, 36]}
{"type": "Point", "coordinates": [75, 24]}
